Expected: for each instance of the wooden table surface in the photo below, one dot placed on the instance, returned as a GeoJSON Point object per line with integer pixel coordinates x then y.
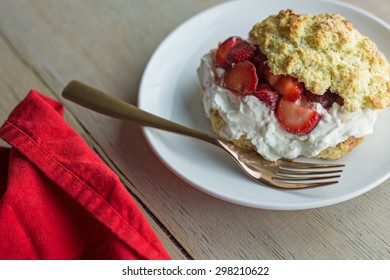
{"type": "Point", "coordinates": [107, 44]}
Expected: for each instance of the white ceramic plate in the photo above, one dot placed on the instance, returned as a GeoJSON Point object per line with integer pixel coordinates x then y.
{"type": "Point", "coordinates": [169, 89]}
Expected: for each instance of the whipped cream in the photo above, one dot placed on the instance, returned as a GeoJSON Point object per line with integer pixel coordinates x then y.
{"type": "Point", "coordinates": [251, 117]}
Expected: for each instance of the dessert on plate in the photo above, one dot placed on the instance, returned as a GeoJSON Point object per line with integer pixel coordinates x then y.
{"type": "Point", "coordinates": [300, 85]}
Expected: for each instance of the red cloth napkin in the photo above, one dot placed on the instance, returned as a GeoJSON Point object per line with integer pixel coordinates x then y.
{"type": "Point", "coordinates": [58, 200]}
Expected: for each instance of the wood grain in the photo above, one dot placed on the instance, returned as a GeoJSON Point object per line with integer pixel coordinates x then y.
{"type": "Point", "coordinates": [45, 44]}
{"type": "Point", "coordinates": [13, 70]}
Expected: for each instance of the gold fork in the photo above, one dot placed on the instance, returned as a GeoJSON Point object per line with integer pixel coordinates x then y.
{"type": "Point", "coordinates": [282, 173]}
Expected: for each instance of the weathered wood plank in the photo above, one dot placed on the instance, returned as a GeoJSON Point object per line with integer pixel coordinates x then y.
{"type": "Point", "coordinates": [16, 79]}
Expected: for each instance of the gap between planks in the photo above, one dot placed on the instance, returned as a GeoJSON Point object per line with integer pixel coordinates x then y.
{"type": "Point", "coordinates": [93, 143]}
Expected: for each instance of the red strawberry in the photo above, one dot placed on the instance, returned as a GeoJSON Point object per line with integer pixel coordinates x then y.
{"type": "Point", "coordinates": [259, 61]}
{"type": "Point", "coordinates": [240, 52]}
{"type": "Point", "coordinates": [326, 100]}
{"type": "Point", "coordinates": [269, 96]}
{"type": "Point", "coordinates": [221, 57]}
{"type": "Point", "coordinates": [296, 119]}
{"type": "Point", "coordinates": [263, 86]}
{"type": "Point", "coordinates": [241, 78]}
{"type": "Point", "coordinates": [289, 87]}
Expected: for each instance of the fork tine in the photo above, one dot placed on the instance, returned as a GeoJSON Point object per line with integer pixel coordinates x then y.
{"type": "Point", "coordinates": [293, 186]}
{"type": "Point", "coordinates": [283, 172]}
{"type": "Point", "coordinates": [296, 179]}
{"type": "Point", "coordinates": [305, 165]}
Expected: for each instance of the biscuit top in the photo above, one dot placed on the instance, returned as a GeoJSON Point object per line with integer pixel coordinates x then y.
{"type": "Point", "coordinates": [325, 52]}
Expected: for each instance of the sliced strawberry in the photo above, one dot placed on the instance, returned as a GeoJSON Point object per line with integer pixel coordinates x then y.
{"type": "Point", "coordinates": [269, 96]}
{"type": "Point", "coordinates": [261, 86]}
{"type": "Point", "coordinates": [241, 78]}
{"type": "Point", "coordinates": [326, 100]}
{"type": "Point", "coordinates": [221, 56]}
{"type": "Point", "coordinates": [289, 87]}
{"type": "Point", "coordinates": [259, 61]}
{"type": "Point", "coordinates": [271, 78]}
{"type": "Point", "coordinates": [240, 52]}
{"type": "Point", "coordinates": [296, 119]}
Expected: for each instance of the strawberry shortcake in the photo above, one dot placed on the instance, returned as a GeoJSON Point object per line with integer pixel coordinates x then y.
{"type": "Point", "coordinates": [300, 85]}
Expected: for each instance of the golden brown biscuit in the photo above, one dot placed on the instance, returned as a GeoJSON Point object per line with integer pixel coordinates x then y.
{"type": "Point", "coordinates": [325, 52]}
{"type": "Point", "coordinates": [341, 149]}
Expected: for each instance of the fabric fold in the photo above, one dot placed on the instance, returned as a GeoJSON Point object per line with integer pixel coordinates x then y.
{"type": "Point", "coordinates": [59, 200]}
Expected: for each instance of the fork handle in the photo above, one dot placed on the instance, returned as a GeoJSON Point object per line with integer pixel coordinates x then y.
{"type": "Point", "coordinates": [101, 102]}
